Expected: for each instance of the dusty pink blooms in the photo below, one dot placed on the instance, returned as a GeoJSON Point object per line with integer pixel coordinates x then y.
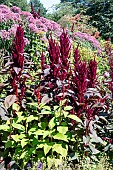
{"type": "Point", "coordinates": [106, 74]}
{"type": "Point", "coordinates": [4, 35]}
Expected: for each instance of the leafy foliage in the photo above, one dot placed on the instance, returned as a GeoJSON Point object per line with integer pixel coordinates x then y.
{"type": "Point", "coordinates": [56, 105]}
{"type": "Point", "coordinates": [101, 17]}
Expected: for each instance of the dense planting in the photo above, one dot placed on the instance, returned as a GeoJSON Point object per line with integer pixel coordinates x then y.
{"type": "Point", "coordinates": [55, 103]}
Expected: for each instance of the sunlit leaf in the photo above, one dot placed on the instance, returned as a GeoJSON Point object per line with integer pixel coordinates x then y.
{"type": "Point", "coordinates": [24, 142]}
{"type": "Point", "coordinates": [23, 154]}
{"type": "Point", "coordinates": [62, 129]}
{"type": "Point", "coordinates": [60, 136]}
{"type": "Point", "coordinates": [47, 149]}
{"type": "Point", "coordinates": [15, 137]}
{"type": "Point", "coordinates": [68, 108]}
{"type": "Point", "coordinates": [52, 123]}
{"type": "Point", "coordinates": [18, 126]}
{"type": "Point", "coordinates": [16, 107]}
{"type": "Point", "coordinates": [30, 118]}
{"type": "Point", "coordinates": [74, 117]}
{"type": "Point", "coordinates": [59, 149]}
{"type": "Point", "coordinates": [4, 127]}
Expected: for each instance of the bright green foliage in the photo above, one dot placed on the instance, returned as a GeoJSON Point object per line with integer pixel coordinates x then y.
{"type": "Point", "coordinates": [36, 137]}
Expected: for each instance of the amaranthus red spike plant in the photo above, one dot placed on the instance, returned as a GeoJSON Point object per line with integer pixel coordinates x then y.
{"type": "Point", "coordinates": [92, 72]}
{"type": "Point", "coordinates": [18, 48]}
{"type": "Point", "coordinates": [65, 46]}
{"type": "Point", "coordinates": [35, 15]}
{"type": "Point", "coordinates": [76, 58]}
{"type": "Point", "coordinates": [18, 61]}
{"type": "Point", "coordinates": [54, 55]}
{"type": "Point", "coordinates": [80, 76]}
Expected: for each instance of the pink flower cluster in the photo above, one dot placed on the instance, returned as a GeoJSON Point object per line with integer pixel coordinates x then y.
{"type": "Point", "coordinates": [89, 38]}
{"type": "Point", "coordinates": [15, 15]}
{"type": "Point", "coordinates": [7, 15]}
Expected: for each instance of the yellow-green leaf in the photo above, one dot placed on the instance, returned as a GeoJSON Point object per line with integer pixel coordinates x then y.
{"type": "Point", "coordinates": [30, 118]}
{"type": "Point", "coordinates": [52, 123]}
{"type": "Point", "coordinates": [24, 142]}
{"type": "Point", "coordinates": [16, 107]}
{"type": "Point", "coordinates": [15, 137]}
{"type": "Point", "coordinates": [47, 149]}
{"type": "Point", "coordinates": [4, 127]}
{"type": "Point", "coordinates": [59, 149]}
{"type": "Point", "coordinates": [60, 136]}
{"type": "Point", "coordinates": [18, 126]}
{"type": "Point", "coordinates": [68, 108]}
{"type": "Point", "coordinates": [74, 117]}
{"type": "Point", "coordinates": [62, 129]}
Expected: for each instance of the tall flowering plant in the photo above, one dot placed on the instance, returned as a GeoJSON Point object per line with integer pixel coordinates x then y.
{"type": "Point", "coordinates": [18, 64]}
{"type": "Point", "coordinates": [57, 72]}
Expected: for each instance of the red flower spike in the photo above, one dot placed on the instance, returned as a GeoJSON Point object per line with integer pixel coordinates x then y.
{"type": "Point", "coordinates": [92, 71]}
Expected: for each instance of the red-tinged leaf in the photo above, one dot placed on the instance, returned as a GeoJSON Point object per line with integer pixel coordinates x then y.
{"type": "Point", "coordinates": [8, 64]}
{"type": "Point", "coordinates": [46, 99]}
{"type": "Point", "coordinates": [17, 70]}
{"type": "Point", "coordinates": [9, 100]}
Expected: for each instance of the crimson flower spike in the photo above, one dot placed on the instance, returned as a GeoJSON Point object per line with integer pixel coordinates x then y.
{"type": "Point", "coordinates": [92, 72]}
{"type": "Point", "coordinates": [35, 15]}
{"type": "Point", "coordinates": [32, 8]}
{"type": "Point", "coordinates": [65, 46]}
{"type": "Point", "coordinates": [76, 58]}
{"type": "Point", "coordinates": [18, 59]}
{"type": "Point", "coordinates": [18, 48]}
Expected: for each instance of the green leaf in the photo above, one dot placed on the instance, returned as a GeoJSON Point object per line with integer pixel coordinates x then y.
{"type": "Point", "coordinates": [68, 108]}
{"type": "Point", "coordinates": [74, 117]}
{"type": "Point", "coordinates": [56, 107]}
{"type": "Point", "coordinates": [16, 107]}
{"type": "Point", "coordinates": [9, 144]}
{"type": "Point", "coordinates": [35, 104]}
{"type": "Point", "coordinates": [59, 149]}
{"type": "Point", "coordinates": [21, 136]}
{"type": "Point", "coordinates": [18, 126]}
{"type": "Point", "coordinates": [40, 146]}
{"type": "Point", "coordinates": [47, 108]}
{"type": "Point", "coordinates": [47, 149]}
{"type": "Point", "coordinates": [24, 142]}
{"type": "Point", "coordinates": [45, 112]}
{"type": "Point", "coordinates": [52, 123]}
{"type": "Point", "coordinates": [4, 127]}
{"type": "Point", "coordinates": [20, 119]}
{"type": "Point", "coordinates": [30, 118]}
{"type": "Point", "coordinates": [62, 129]}
{"type": "Point", "coordinates": [65, 113]}
{"type": "Point", "coordinates": [33, 129]}
{"type": "Point", "coordinates": [39, 132]}
{"type": "Point", "coordinates": [23, 154]}
{"type": "Point", "coordinates": [60, 136]}
{"type": "Point", "coordinates": [15, 137]}
{"type": "Point", "coordinates": [62, 102]}
{"type": "Point", "coordinates": [46, 133]}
